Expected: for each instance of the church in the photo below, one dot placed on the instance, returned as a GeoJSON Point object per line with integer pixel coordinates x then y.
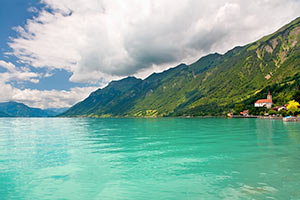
{"type": "Point", "coordinates": [264, 102]}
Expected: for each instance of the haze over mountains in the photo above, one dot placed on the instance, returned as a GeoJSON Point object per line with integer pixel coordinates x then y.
{"type": "Point", "coordinates": [210, 86]}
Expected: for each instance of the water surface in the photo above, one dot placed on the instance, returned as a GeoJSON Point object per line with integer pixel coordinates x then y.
{"type": "Point", "coordinates": [149, 159]}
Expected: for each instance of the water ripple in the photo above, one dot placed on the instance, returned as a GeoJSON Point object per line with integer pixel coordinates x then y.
{"type": "Point", "coordinates": [149, 158]}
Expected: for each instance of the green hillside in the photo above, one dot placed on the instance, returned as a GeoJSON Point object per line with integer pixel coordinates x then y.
{"type": "Point", "coordinates": [210, 86]}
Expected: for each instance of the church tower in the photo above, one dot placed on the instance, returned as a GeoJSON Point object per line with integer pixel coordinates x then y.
{"type": "Point", "coordinates": [269, 96]}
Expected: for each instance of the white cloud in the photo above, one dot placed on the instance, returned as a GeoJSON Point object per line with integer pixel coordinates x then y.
{"type": "Point", "coordinates": [47, 75]}
{"type": "Point", "coordinates": [36, 98]}
{"type": "Point", "coordinates": [112, 38]}
{"type": "Point", "coordinates": [17, 74]}
{"type": "Point", "coordinates": [32, 9]}
{"type": "Point", "coordinates": [46, 98]}
{"type": "Point", "coordinates": [51, 98]}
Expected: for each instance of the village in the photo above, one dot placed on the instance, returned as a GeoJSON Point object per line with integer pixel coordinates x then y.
{"type": "Point", "coordinates": [266, 109]}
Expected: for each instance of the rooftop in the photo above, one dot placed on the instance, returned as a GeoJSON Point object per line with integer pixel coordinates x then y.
{"type": "Point", "coordinates": [264, 101]}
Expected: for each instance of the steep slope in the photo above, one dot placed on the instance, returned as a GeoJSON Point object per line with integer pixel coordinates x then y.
{"type": "Point", "coordinates": [14, 109]}
{"type": "Point", "coordinates": [286, 90]}
{"type": "Point", "coordinates": [212, 85]}
{"type": "Point", "coordinates": [117, 100]}
{"type": "Point", "coordinates": [104, 101]}
{"type": "Point", "coordinates": [256, 66]}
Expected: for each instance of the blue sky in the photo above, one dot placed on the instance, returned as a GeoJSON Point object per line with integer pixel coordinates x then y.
{"type": "Point", "coordinates": [53, 53]}
{"type": "Point", "coordinates": [9, 19]}
{"type": "Point", "coordinates": [14, 13]}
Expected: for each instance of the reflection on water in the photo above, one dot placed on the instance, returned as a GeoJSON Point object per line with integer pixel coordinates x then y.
{"type": "Point", "coordinates": [149, 158]}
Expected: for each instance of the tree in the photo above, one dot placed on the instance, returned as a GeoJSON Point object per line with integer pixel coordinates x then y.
{"type": "Point", "coordinates": [257, 111]}
{"type": "Point", "coordinates": [283, 113]}
{"type": "Point", "coordinates": [272, 112]}
{"type": "Point", "coordinates": [293, 106]}
{"type": "Point", "coordinates": [239, 108]}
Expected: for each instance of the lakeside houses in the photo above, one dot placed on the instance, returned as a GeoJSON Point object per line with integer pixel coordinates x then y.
{"type": "Point", "coordinates": [245, 113]}
{"type": "Point", "coordinates": [279, 108]}
{"type": "Point", "coordinates": [271, 112]}
{"type": "Point", "coordinates": [264, 102]}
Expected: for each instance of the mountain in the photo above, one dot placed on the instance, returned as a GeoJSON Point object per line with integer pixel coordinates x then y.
{"type": "Point", "coordinates": [210, 86]}
{"type": "Point", "coordinates": [14, 109]}
{"type": "Point", "coordinates": [2, 114]}
{"type": "Point", "coordinates": [107, 100]}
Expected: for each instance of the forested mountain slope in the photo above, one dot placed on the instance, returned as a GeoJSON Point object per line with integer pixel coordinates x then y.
{"type": "Point", "coordinates": [212, 85]}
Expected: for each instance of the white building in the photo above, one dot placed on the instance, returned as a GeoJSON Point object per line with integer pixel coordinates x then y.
{"type": "Point", "coordinates": [264, 102]}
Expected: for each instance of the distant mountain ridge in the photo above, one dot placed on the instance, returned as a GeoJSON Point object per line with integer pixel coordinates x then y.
{"type": "Point", "coordinates": [2, 114]}
{"type": "Point", "coordinates": [14, 109]}
{"type": "Point", "coordinates": [210, 86]}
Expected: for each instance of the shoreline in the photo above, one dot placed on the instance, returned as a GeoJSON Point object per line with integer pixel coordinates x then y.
{"type": "Point", "coordinates": [285, 119]}
{"type": "Point", "coordinates": [289, 119]}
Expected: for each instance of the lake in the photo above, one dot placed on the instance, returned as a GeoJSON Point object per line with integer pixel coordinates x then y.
{"type": "Point", "coordinates": [169, 158]}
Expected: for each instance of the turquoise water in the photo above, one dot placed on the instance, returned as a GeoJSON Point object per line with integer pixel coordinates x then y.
{"type": "Point", "coordinates": [149, 159]}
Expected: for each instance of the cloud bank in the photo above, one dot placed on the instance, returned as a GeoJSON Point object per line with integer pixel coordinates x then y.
{"type": "Point", "coordinates": [36, 98]}
{"type": "Point", "coordinates": [17, 74]}
{"type": "Point", "coordinates": [108, 39]}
